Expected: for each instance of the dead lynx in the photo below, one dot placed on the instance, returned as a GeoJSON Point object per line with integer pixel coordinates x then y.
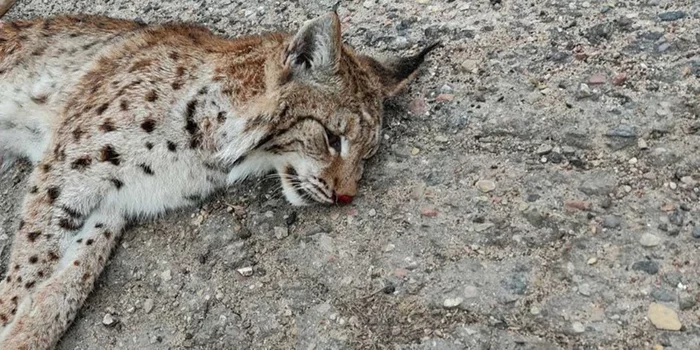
{"type": "Point", "coordinates": [124, 120]}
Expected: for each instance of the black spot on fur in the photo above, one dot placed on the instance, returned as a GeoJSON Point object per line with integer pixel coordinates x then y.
{"type": "Point", "coordinates": [102, 108]}
{"type": "Point", "coordinates": [39, 51]}
{"type": "Point", "coordinates": [221, 117]}
{"type": "Point", "coordinates": [108, 154]}
{"type": "Point", "coordinates": [33, 259]}
{"type": "Point", "coordinates": [77, 133]}
{"type": "Point", "coordinates": [124, 105]}
{"type": "Point", "coordinates": [81, 163]}
{"type": "Point", "coordinates": [148, 125]}
{"type": "Point", "coordinates": [146, 169]}
{"type": "Point", "coordinates": [99, 225]}
{"type": "Point", "coordinates": [70, 225]}
{"type": "Point", "coordinates": [89, 242]}
{"type": "Point", "coordinates": [107, 234]}
{"type": "Point", "coordinates": [21, 224]}
{"type": "Point", "coordinates": [151, 96]}
{"type": "Point", "coordinates": [149, 146]}
{"type": "Point", "coordinates": [53, 193]}
{"type": "Point", "coordinates": [191, 126]}
{"type": "Point", "coordinates": [117, 183]}
{"type": "Point", "coordinates": [203, 91]}
{"type": "Point", "coordinates": [107, 126]}
{"type": "Point", "coordinates": [79, 240]}
{"type": "Point", "coordinates": [176, 85]}
{"type": "Point", "coordinates": [172, 147]}
{"type": "Point", "coordinates": [33, 189]}
{"type": "Point", "coordinates": [32, 236]}
{"type": "Point", "coordinates": [72, 212]}
{"type": "Point", "coordinates": [45, 167]}
{"type": "Point", "coordinates": [194, 142]}
{"type": "Point", "coordinates": [29, 285]}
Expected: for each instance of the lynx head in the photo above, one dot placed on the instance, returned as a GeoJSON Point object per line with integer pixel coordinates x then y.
{"type": "Point", "coordinates": [333, 102]}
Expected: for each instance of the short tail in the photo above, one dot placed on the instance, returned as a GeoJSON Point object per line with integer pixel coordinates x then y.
{"type": "Point", "coordinates": [5, 6]}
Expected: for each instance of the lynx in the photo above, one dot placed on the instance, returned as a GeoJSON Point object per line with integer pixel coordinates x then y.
{"type": "Point", "coordinates": [124, 120]}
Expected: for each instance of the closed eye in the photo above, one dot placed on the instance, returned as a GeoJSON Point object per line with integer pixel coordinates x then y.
{"type": "Point", "coordinates": [334, 141]}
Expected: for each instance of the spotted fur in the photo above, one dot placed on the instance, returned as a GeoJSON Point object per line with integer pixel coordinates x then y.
{"type": "Point", "coordinates": [128, 120]}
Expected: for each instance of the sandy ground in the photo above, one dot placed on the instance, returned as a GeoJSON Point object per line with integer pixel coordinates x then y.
{"type": "Point", "coordinates": [537, 188]}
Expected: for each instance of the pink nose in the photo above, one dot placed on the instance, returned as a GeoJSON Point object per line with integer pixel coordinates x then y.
{"type": "Point", "coordinates": [343, 199]}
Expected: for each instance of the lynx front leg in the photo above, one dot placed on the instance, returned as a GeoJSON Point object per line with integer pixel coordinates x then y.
{"type": "Point", "coordinates": [44, 316]}
{"type": "Point", "coordinates": [54, 211]}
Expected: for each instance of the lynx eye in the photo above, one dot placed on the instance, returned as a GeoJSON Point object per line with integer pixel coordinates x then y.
{"type": "Point", "coordinates": [334, 141]}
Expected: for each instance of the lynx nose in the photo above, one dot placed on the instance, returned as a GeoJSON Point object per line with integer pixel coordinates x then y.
{"type": "Point", "coordinates": [343, 199]}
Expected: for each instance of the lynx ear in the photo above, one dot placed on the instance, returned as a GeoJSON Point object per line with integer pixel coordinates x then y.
{"type": "Point", "coordinates": [394, 73]}
{"type": "Point", "coordinates": [315, 50]}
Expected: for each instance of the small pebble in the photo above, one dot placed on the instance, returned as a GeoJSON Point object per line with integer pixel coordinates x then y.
{"type": "Point", "coordinates": [671, 16]}
{"type": "Point", "coordinates": [648, 266]}
{"type": "Point", "coordinates": [597, 79]}
{"type": "Point", "coordinates": [592, 261]}
{"type": "Point", "coordinates": [649, 240]}
{"type": "Point", "coordinates": [664, 318]}
{"type": "Point", "coordinates": [619, 79]}
{"type": "Point", "coordinates": [372, 212]}
{"type": "Point", "coordinates": [612, 221]}
{"type": "Point", "coordinates": [585, 289]}
{"type": "Point", "coordinates": [686, 302]}
{"type": "Point", "coordinates": [544, 149]}
{"type": "Point", "coordinates": [470, 66]}
{"type": "Point", "coordinates": [578, 327]}
{"type": "Point", "coordinates": [486, 186]}
{"type": "Point", "coordinates": [429, 212]}
{"type": "Point", "coordinates": [281, 232]}
{"type": "Point", "coordinates": [641, 144]}
{"type": "Point", "coordinates": [166, 275]}
{"type": "Point", "coordinates": [108, 320]}
{"type": "Point", "coordinates": [246, 271]}
{"type": "Point", "coordinates": [148, 305]}
{"type": "Point", "coordinates": [451, 303]}
{"type": "Point", "coordinates": [696, 232]}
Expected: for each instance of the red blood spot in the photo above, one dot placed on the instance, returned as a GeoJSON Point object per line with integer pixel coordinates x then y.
{"type": "Point", "coordinates": [343, 199]}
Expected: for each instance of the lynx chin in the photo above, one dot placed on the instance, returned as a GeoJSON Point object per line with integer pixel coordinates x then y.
{"type": "Point", "coordinates": [125, 121]}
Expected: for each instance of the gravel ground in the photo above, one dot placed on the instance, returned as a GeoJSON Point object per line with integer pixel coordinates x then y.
{"type": "Point", "coordinates": [537, 188]}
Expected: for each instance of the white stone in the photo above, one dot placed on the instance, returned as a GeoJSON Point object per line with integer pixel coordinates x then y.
{"type": "Point", "coordinates": [246, 271]}
{"type": "Point", "coordinates": [649, 240]}
{"type": "Point", "coordinates": [451, 303]}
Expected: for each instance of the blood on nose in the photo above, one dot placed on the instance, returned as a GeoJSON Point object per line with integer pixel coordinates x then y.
{"type": "Point", "coordinates": [343, 199]}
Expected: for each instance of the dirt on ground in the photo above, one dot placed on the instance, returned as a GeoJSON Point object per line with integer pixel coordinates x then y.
{"type": "Point", "coordinates": [537, 188]}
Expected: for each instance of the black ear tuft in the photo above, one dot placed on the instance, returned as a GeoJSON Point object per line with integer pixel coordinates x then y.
{"type": "Point", "coordinates": [396, 72]}
{"type": "Point", "coordinates": [404, 67]}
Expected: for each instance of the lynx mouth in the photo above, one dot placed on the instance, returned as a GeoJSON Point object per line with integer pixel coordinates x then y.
{"type": "Point", "coordinates": [306, 190]}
